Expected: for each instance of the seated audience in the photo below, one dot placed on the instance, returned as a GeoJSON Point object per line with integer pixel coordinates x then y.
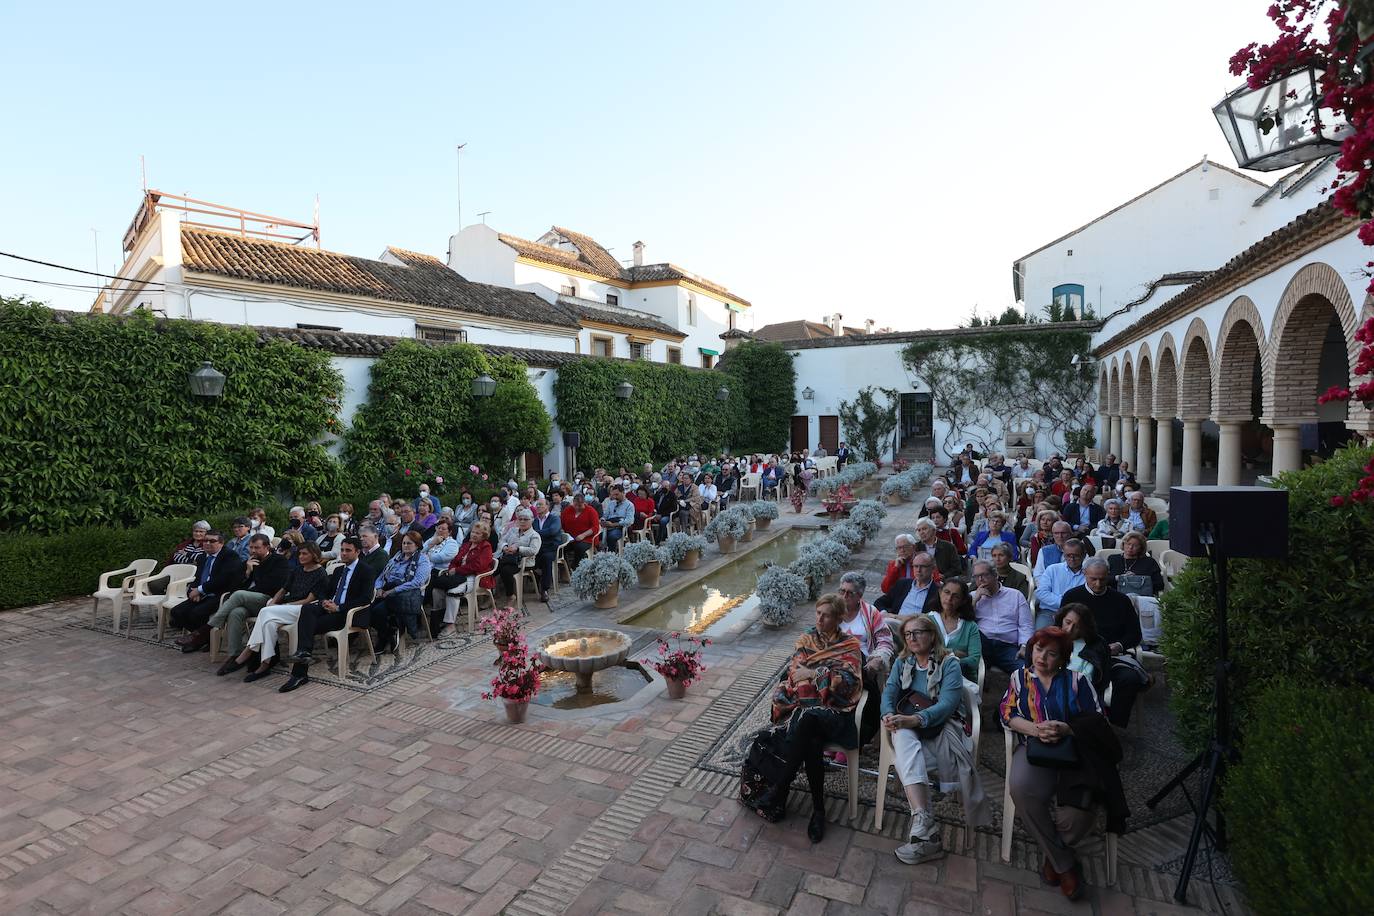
{"type": "Point", "coordinates": [958, 626]}
{"type": "Point", "coordinates": [371, 552]}
{"type": "Point", "coordinates": [289, 545]}
{"type": "Point", "coordinates": [548, 524]}
{"type": "Point", "coordinates": [193, 548]}
{"type": "Point", "coordinates": [518, 549]}
{"type": "Point", "coordinates": [266, 574]}
{"type": "Point", "coordinates": [465, 513]}
{"type": "Point", "coordinates": [330, 537]}
{"type": "Point", "coordinates": [1047, 702]}
{"type": "Point", "coordinates": [617, 517]}
{"type": "Point", "coordinates": [643, 501]}
{"type": "Point", "coordinates": [923, 705]}
{"type": "Point", "coordinates": [665, 507]}
{"type": "Point", "coordinates": [257, 520]}
{"type": "Point", "coordinates": [1083, 514]}
{"type": "Point", "coordinates": [709, 492]}
{"type": "Point", "coordinates": [426, 512]}
{"type": "Point", "coordinates": [1112, 525]}
{"type": "Point", "coordinates": [307, 531]}
{"type": "Point", "coordinates": [984, 541]}
{"type": "Point", "coordinates": [408, 522]}
{"type": "Point", "coordinates": [900, 568]}
{"type": "Point", "coordinates": [1139, 516]}
{"type": "Point", "coordinates": [350, 587]}
{"type": "Point", "coordinates": [1090, 658]}
{"type": "Point", "coordinates": [940, 517]}
{"type": "Point", "coordinates": [1023, 470]}
{"type": "Point", "coordinates": [1052, 582]}
{"type": "Point", "coordinates": [239, 542]}
{"type": "Point", "coordinates": [304, 584]}
{"type": "Point", "coordinates": [1009, 577]}
{"type": "Point", "coordinates": [1119, 626]}
{"type": "Point", "coordinates": [865, 622]}
{"type": "Point", "coordinates": [1053, 552]}
{"type": "Point", "coordinates": [946, 560]}
{"type": "Point", "coordinates": [474, 558]}
{"type": "Point", "coordinates": [443, 546]}
{"type": "Point", "coordinates": [1063, 486]}
{"type": "Point", "coordinates": [816, 700]}
{"type": "Point", "coordinates": [954, 514]}
{"type": "Point", "coordinates": [218, 572]}
{"type": "Point", "coordinates": [916, 595]}
{"type": "Point", "coordinates": [1108, 474]}
{"type": "Point", "coordinates": [400, 590]}
{"type": "Point", "coordinates": [1004, 618]}
{"type": "Point", "coordinates": [1043, 534]}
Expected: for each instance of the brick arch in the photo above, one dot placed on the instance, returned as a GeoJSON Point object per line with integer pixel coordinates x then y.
{"type": "Point", "coordinates": [1195, 374]}
{"type": "Point", "coordinates": [1127, 386]}
{"type": "Point", "coordinates": [1296, 336]}
{"type": "Point", "coordinates": [1240, 347]}
{"type": "Point", "coordinates": [1114, 391]}
{"type": "Point", "coordinates": [1166, 381]}
{"type": "Point", "coordinates": [1103, 404]}
{"type": "Point", "coordinates": [1144, 384]}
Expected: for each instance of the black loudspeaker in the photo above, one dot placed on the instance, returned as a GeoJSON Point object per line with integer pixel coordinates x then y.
{"type": "Point", "coordinates": [1245, 521]}
{"type": "Point", "coordinates": [572, 440]}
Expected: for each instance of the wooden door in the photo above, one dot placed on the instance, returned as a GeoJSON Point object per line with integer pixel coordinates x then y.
{"type": "Point", "coordinates": [801, 429]}
{"type": "Point", "coordinates": [830, 433]}
{"type": "Point", "coordinates": [534, 466]}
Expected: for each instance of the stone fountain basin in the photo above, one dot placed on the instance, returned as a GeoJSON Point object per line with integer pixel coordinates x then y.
{"type": "Point", "coordinates": [609, 647]}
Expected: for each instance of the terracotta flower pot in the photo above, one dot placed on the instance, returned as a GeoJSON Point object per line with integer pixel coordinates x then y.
{"type": "Point", "coordinates": [895, 499]}
{"type": "Point", "coordinates": [762, 523]}
{"type": "Point", "coordinates": [690, 560]}
{"type": "Point", "coordinates": [609, 598]}
{"type": "Point", "coordinates": [726, 544]}
{"type": "Point", "coordinates": [649, 574]}
{"type": "Point", "coordinates": [748, 536]}
{"type": "Point", "coordinates": [516, 710]}
{"type": "Point", "coordinates": [676, 689]}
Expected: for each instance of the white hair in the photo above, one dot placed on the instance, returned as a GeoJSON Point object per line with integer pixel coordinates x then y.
{"type": "Point", "coordinates": [295, 509]}
{"type": "Point", "coordinates": [925, 523]}
{"type": "Point", "coordinates": [904, 538]}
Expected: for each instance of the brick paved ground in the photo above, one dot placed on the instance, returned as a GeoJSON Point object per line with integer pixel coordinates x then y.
{"type": "Point", "coordinates": [133, 780]}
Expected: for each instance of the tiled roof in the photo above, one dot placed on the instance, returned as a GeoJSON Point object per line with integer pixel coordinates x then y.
{"type": "Point", "coordinates": [863, 340]}
{"type": "Point", "coordinates": [793, 330]}
{"type": "Point", "coordinates": [591, 257]}
{"type": "Point", "coordinates": [736, 333]}
{"type": "Point", "coordinates": [587, 310]}
{"type": "Point", "coordinates": [1310, 230]}
{"type": "Point", "coordinates": [423, 280]}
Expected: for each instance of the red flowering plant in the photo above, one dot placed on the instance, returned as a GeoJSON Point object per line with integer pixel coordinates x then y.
{"type": "Point", "coordinates": [503, 623]}
{"type": "Point", "coordinates": [677, 663]}
{"type": "Point", "coordinates": [1345, 55]}
{"type": "Point", "coordinates": [836, 502]}
{"type": "Point", "coordinates": [517, 678]}
{"type": "Point", "coordinates": [899, 465]}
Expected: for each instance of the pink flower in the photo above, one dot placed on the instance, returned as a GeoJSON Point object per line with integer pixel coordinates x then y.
{"type": "Point", "coordinates": [474, 469]}
{"type": "Point", "coordinates": [438, 480]}
{"type": "Point", "coordinates": [407, 472]}
{"type": "Point", "coordinates": [1338, 501]}
{"type": "Point", "coordinates": [484, 476]}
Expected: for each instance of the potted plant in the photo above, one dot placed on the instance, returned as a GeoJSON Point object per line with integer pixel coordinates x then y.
{"type": "Point", "coordinates": [685, 549]}
{"type": "Point", "coordinates": [897, 489]}
{"type": "Point", "coordinates": [601, 577]}
{"type": "Point", "coordinates": [867, 515]}
{"type": "Point", "coordinates": [848, 533]}
{"type": "Point", "coordinates": [779, 590]}
{"type": "Point", "coordinates": [647, 560]}
{"type": "Point", "coordinates": [517, 679]}
{"type": "Point", "coordinates": [747, 518]}
{"type": "Point", "coordinates": [812, 568]}
{"type": "Point", "coordinates": [727, 528]}
{"type": "Point", "coordinates": [764, 511]}
{"type": "Point", "coordinates": [504, 625]}
{"type": "Point", "coordinates": [836, 502]}
{"type": "Point", "coordinates": [679, 666]}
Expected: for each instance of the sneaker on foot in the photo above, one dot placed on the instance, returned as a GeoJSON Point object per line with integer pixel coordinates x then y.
{"type": "Point", "coordinates": [918, 851]}
{"type": "Point", "coordinates": [923, 826]}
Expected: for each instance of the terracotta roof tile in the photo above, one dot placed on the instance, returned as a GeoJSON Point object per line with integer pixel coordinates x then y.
{"type": "Point", "coordinates": [862, 340]}
{"type": "Point", "coordinates": [793, 330]}
{"type": "Point", "coordinates": [423, 280]}
{"type": "Point", "coordinates": [588, 310]}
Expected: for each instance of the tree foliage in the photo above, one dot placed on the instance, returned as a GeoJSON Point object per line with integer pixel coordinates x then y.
{"type": "Point", "coordinates": [980, 381]}
{"type": "Point", "coordinates": [98, 425]}
{"type": "Point", "coordinates": [421, 417]}
{"type": "Point", "coordinates": [868, 424]}
{"type": "Point", "coordinates": [766, 380]}
{"type": "Point", "coordinates": [673, 411]}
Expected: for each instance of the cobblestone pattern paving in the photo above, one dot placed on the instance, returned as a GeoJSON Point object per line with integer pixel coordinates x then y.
{"type": "Point", "coordinates": [135, 781]}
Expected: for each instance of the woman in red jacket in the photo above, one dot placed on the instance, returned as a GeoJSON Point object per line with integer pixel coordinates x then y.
{"type": "Point", "coordinates": [473, 559]}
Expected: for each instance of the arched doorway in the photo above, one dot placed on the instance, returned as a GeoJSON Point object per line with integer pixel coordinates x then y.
{"type": "Point", "coordinates": [1244, 443]}
{"type": "Point", "coordinates": [1195, 402]}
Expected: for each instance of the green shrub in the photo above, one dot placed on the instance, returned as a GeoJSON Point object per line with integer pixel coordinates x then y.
{"type": "Point", "coordinates": [1307, 618]}
{"type": "Point", "coordinates": [1298, 804]}
{"type": "Point", "coordinates": [106, 431]}
{"type": "Point", "coordinates": [766, 381]}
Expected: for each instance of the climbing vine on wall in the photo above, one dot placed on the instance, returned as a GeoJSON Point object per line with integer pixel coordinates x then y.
{"type": "Point", "coordinates": [673, 411]}
{"type": "Point", "coordinates": [870, 421]}
{"type": "Point", "coordinates": [766, 380]}
{"type": "Point", "coordinates": [98, 426]}
{"type": "Point", "coordinates": [979, 382]}
{"type": "Point", "coordinates": [421, 417]}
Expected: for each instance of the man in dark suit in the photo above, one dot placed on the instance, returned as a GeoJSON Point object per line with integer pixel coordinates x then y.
{"type": "Point", "coordinates": [219, 572]}
{"type": "Point", "coordinates": [842, 454]}
{"type": "Point", "coordinates": [917, 595]}
{"type": "Point", "coordinates": [946, 559]}
{"type": "Point", "coordinates": [1083, 514]}
{"type": "Point", "coordinates": [266, 572]}
{"type": "Point", "coordinates": [1109, 473]}
{"type": "Point", "coordinates": [351, 585]}
{"type": "Point", "coordinates": [549, 526]}
{"type": "Point", "coordinates": [408, 523]}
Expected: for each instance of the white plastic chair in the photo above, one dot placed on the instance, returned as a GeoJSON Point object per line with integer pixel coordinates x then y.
{"type": "Point", "coordinates": [1172, 562]}
{"type": "Point", "coordinates": [1157, 548]}
{"type": "Point", "coordinates": [852, 758]}
{"type": "Point", "coordinates": [1159, 505]}
{"type": "Point", "coordinates": [1096, 541]}
{"type": "Point", "coordinates": [341, 635]}
{"type": "Point", "coordinates": [119, 595]}
{"type": "Point", "coordinates": [180, 575]}
{"type": "Point", "coordinates": [477, 592]}
{"type": "Point", "coordinates": [750, 482]}
{"type": "Point", "coordinates": [1009, 811]}
{"type": "Point", "coordinates": [1026, 571]}
{"type": "Point", "coordinates": [1107, 552]}
{"type": "Point", "coordinates": [887, 757]}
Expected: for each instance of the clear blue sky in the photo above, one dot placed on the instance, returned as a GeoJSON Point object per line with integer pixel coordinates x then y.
{"type": "Point", "coordinates": [886, 160]}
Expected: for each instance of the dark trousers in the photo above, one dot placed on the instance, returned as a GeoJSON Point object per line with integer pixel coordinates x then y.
{"type": "Point", "coordinates": [192, 615]}
{"type": "Point", "coordinates": [576, 552]}
{"type": "Point", "coordinates": [508, 567]}
{"type": "Point", "coordinates": [1127, 683]}
{"type": "Point", "coordinates": [871, 717]}
{"type": "Point", "coordinates": [391, 612]}
{"type": "Point", "coordinates": [447, 580]}
{"type": "Point", "coordinates": [1001, 655]}
{"type": "Point", "coordinates": [804, 749]}
{"type": "Point", "coordinates": [544, 564]}
{"type": "Point", "coordinates": [315, 619]}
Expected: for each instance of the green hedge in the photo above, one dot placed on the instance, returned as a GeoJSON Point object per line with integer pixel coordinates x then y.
{"type": "Point", "coordinates": [421, 420]}
{"type": "Point", "coordinates": [766, 380]}
{"type": "Point", "coordinates": [673, 411]}
{"type": "Point", "coordinates": [106, 431]}
{"type": "Point", "coordinates": [1309, 618]}
{"type": "Point", "coordinates": [1298, 804]}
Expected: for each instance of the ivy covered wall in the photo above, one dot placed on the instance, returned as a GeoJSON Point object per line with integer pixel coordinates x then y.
{"type": "Point", "coordinates": [98, 426]}
{"type": "Point", "coordinates": [765, 377]}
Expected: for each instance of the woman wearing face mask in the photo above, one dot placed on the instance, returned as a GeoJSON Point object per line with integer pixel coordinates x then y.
{"type": "Point", "coordinates": [258, 520]}
{"type": "Point", "coordinates": [493, 536]}
{"type": "Point", "coordinates": [331, 539]}
{"type": "Point", "coordinates": [466, 512]}
{"type": "Point", "coordinates": [348, 525]}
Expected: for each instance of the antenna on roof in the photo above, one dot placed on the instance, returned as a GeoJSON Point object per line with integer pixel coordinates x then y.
{"type": "Point", "coordinates": [483, 214]}
{"type": "Point", "coordinates": [460, 185]}
{"type": "Point", "coordinates": [143, 167]}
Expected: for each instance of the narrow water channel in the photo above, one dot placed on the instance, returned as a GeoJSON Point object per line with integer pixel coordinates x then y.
{"type": "Point", "coordinates": [728, 590]}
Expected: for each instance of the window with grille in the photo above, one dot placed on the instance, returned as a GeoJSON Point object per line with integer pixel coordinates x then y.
{"type": "Point", "coordinates": [612, 299]}
{"type": "Point", "coordinates": [603, 346]}
{"type": "Point", "coordinates": [568, 289]}
{"type": "Point", "coordinates": [441, 334]}
{"type": "Point", "coordinates": [639, 350]}
{"type": "Point", "coordinates": [674, 355]}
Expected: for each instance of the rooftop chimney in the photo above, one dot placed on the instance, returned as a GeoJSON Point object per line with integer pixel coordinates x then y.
{"type": "Point", "coordinates": [868, 325]}
{"type": "Point", "coordinates": [639, 254]}
{"type": "Point", "coordinates": [837, 324]}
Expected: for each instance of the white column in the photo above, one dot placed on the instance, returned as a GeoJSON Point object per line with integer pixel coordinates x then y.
{"type": "Point", "coordinates": [1164, 457]}
{"type": "Point", "coordinates": [1287, 449]}
{"type": "Point", "coordinates": [1104, 432]}
{"type": "Point", "coordinates": [1127, 453]}
{"type": "Point", "coordinates": [1228, 455]}
{"type": "Point", "coordinates": [1192, 453]}
{"type": "Point", "coordinates": [1144, 452]}
{"type": "Point", "coordinates": [1114, 438]}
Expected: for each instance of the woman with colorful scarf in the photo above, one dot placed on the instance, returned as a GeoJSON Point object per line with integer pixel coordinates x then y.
{"type": "Point", "coordinates": [816, 700]}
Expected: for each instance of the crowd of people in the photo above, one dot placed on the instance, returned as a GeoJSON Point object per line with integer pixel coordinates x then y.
{"type": "Point", "coordinates": [956, 606]}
